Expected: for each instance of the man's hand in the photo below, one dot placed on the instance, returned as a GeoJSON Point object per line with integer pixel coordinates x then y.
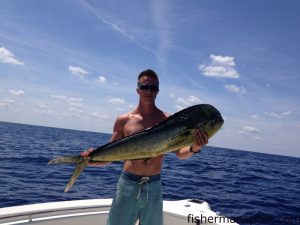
{"type": "Point", "coordinates": [200, 139]}
{"type": "Point", "coordinates": [86, 154]}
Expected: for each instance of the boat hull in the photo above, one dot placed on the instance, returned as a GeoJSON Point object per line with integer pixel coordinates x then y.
{"type": "Point", "coordinates": [95, 212]}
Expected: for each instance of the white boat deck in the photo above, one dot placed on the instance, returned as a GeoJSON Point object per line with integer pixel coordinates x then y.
{"type": "Point", "coordinates": [95, 212]}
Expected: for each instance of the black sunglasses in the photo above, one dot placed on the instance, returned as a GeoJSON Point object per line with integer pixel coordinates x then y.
{"type": "Point", "coordinates": [148, 87]}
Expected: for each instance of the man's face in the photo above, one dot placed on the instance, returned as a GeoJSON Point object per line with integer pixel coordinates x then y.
{"type": "Point", "coordinates": [147, 88]}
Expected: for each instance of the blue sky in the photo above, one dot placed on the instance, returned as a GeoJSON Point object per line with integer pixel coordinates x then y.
{"type": "Point", "coordinates": [74, 63]}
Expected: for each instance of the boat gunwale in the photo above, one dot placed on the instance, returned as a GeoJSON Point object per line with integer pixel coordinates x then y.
{"type": "Point", "coordinates": [74, 208]}
{"type": "Point", "coordinates": [74, 205]}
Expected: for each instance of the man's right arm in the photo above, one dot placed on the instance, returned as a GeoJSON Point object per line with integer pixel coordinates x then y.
{"type": "Point", "coordinates": [118, 131]}
{"type": "Point", "coordinates": [117, 134]}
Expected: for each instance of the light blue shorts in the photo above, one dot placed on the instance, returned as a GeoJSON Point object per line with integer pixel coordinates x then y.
{"type": "Point", "coordinates": [137, 197]}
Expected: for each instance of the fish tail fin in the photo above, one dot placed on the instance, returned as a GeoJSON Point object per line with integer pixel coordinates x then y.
{"type": "Point", "coordinates": [80, 165]}
{"type": "Point", "coordinates": [65, 160]}
{"type": "Point", "coordinates": [80, 162]}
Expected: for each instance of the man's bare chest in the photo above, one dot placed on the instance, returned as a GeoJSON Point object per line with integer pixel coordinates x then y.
{"type": "Point", "coordinates": [135, 125]}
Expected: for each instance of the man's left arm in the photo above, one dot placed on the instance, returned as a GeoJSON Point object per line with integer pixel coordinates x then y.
{"type": "Point", "coordinates": [200, 139]}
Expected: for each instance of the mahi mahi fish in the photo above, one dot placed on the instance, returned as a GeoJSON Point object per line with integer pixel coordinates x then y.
{"type": "Point", "coordinates": [172, 134]}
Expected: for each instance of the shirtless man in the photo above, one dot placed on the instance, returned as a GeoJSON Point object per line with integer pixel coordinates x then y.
{"type": "Point", "coordinates": [139, 189]}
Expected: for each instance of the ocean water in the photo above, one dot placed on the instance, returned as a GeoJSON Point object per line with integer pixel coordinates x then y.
{"type": "Point", "coordinates": [237, 184]}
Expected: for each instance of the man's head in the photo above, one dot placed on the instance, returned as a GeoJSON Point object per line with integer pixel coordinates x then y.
{"type": "Point", "coordinates": [148, 73]}
{"type": "Point", "coordinates": [148, 84]}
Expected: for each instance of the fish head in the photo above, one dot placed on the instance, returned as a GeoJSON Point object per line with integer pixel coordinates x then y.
{"type": "Point", "coordinates": [204, 117]}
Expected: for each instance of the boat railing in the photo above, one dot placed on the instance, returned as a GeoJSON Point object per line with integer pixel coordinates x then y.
{"type": "Point", "coordinates": [40, 213]}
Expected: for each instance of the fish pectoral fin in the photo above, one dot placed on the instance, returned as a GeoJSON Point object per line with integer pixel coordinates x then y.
{"type": "Point", "coordinates": [179, 140]}
{"type": "Point", "coordinates": [175, 144]}
{"type": "Point", "coordinates": [80, 165]}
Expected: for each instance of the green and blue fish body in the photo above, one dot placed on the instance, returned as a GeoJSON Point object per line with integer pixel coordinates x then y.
{"type": "Point", "coordinates": [172, 134]}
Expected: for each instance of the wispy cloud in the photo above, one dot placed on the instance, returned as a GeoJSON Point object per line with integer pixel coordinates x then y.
{"type": "Point", "coordinates": [78, 71]}
{"type": "Point", "coordinates": [41, 108]}
{"type": "Point", "coordinates": [6, 103]}
{"type": "Point", "coordinates": [162, 23]}
{"type": "Point", "coordinates": [8, 57]}
{"type": "Point", "coordinates": [236, 89]}
{"type": "Point", "coordinates": [287, 113]}
{"type": "Point", "coordinates": [278, 115]}
{"type": "Point", "coordinates": [70, 107]}
{"type": "Point", "coordinates": [74, 105]}
{"type": "Point", "coordinates": [116, 100]}
{"type": "Point", "coordinates": [249, 130]}
{"type": "Point", "coordinates": [220, 66]}
{"type": "Point", "coordinates": [112, 25]}
{"type": "Point", "coordinates": [115, 27]}
{"type": "Point", "coordinates": [17, 92]}
{"type": "Point", "coordinates": [41, 105]}
{"type": "Point", "coordinates": [99, 117]}
{"type": "Point", "coordinates": [257, 117]}
{"type": "Point", "coordinates": [258, 138]}
{"type": "Point", "coordinates": [101, 80]}
{"type": "Point", "coordinates": [182, 103]}
{"type": "Point", "coordinates": [66, 98]}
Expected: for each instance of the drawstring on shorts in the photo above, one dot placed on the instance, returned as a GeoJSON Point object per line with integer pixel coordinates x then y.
{"type": "Point", "coordinates": [141, 182]}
